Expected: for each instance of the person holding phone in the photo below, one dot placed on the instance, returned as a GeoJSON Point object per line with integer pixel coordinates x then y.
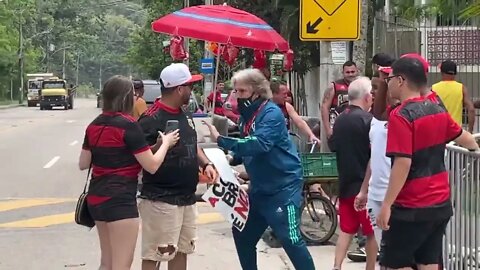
{"type": "Point", "coordinates": [168, 207]}
{"type": "Point", "coordinates": [116, 150]}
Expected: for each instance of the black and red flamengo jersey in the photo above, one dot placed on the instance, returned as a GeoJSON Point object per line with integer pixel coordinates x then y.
{"type": "Point", "coordinates": [420, 129]}
{"type": "Point", "coordinates": [432, 96]}
{"type": "Point", "coordinates": [113, 156]}
{"type": "Point", "coordinates": [340, 97]}
{"type": "Point", "coordinates": [175, 182]}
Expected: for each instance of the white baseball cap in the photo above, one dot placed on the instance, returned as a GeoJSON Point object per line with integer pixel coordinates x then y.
{"type": "Point", "coordinates": [177, 74]}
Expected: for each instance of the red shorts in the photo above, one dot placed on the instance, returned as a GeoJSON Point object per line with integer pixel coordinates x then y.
{"type": "Point", "coordinates": [351, 220]}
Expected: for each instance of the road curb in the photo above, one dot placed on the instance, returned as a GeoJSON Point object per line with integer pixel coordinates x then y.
{"type": "Point", "coordinates": [4, 107]}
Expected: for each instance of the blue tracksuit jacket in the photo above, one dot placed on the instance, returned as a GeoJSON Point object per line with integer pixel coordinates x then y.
{"type": "Point", "coordinates": [270, 158]}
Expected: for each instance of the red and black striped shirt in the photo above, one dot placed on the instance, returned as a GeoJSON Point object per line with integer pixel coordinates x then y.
{"type": "Point", "coordinates": [420, 129]}
{"type": "Point", "coordinates": [113, 139]}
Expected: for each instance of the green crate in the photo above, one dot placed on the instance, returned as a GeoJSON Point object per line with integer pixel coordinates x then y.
{"type": "Point", "coordinates": [319, 165]}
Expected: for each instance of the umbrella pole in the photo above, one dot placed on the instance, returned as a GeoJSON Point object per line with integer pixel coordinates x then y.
{"type": "Point", "coordinates": [215, 82]}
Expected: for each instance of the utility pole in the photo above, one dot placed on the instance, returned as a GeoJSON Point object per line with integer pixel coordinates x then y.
{"type": "Point", "coordinates": [78, 65]}
{"type": "Point", "coordinates": [208, 80]}
{"type": "Point", "coordinates": [47, 55]}
{"type": "Point", "coordinates": [11, 89]}
{"type": "Point", "coordinates": [100, 77]}
{"type": "Point", "coordinates": [20, 62]}
{"type": "Point", "coordinates": [63, 64]}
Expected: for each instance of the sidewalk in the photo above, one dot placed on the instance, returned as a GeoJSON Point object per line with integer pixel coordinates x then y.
{"type": "Point", "coordinates": [215, 251]}
{"type": "Point", "coordinates": [9, 106]}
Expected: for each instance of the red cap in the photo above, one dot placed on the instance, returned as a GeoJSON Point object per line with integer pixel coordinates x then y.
{"type": "Point", "coordinates": [417, 56]}
{"type": "Point", "coordinates": [387, 70]}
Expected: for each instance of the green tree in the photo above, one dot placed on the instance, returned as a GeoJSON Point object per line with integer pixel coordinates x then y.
{"type": "Point", "coordinates": [471, 11]}
{"type": "Point", "coordinates": [13, 18]}
{"type": "Point", "coordinates": [147, 51]}
{"type": "Point", "coordinates": [94, 34]}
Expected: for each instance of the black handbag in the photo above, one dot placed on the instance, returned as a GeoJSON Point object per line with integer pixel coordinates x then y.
{"type": "Point", "coordinates": [82, 215]}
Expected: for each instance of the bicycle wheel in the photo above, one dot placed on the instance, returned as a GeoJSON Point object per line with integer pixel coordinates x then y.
{"type": "Point", "coordinates": [319, 219]}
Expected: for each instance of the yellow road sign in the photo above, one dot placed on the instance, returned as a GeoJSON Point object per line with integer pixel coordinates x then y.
{"type": "Point", "coordinates": [329, 20]}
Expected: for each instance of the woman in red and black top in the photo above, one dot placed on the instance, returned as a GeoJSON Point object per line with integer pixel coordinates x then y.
{"type": "Point", "coordinates": [115, 148]}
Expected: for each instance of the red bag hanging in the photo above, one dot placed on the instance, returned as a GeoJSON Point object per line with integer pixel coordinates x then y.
{"type": "Point", "coordinates": [177, 49]}
{"type": "Point", "coordinates": [259, 59]}
{"type": "Point", "coordinates": [230, 54]}
{"type": "Point", "coordinates": [212, 47]}
{"type": "Point", "coordinates": [288, 60]}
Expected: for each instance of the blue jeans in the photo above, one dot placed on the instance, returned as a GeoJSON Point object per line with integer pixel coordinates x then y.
{"type": "Point", "coordinates": [283, 218]}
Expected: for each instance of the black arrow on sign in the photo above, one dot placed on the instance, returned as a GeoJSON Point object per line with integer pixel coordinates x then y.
{"type": "Point", "coordinates": [311, 27]}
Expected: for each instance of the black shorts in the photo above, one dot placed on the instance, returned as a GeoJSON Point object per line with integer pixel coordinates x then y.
{"type": "Point", "coordinates": [120, 194]}
{"type": "Point", "coordinates": [408, 243]}
{"type": "Point", "coordinates": [114, 209]}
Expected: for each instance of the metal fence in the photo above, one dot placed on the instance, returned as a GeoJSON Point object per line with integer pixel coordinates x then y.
{"type": "Point", "coordinates": [462, 238]}
{"type": "Point", "coordinates": [436, 38]}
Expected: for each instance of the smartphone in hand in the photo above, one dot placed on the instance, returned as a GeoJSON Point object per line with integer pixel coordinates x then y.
{"type": "Point", "coordinates": [171, 126]}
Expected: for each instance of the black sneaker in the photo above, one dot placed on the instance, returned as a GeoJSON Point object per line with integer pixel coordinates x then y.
{"type": "Point", "coordinates": [358, 255]}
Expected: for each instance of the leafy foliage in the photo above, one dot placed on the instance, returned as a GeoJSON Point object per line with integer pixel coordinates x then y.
{"type": "Point", "coordinates": [93, 34]}
{"type": "Point", "coordinates": [147, 50]}
{"type": "Point", "coordinates": [471, 11]}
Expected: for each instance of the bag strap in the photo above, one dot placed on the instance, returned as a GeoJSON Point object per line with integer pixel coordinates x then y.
{"type": "Point", "coordinates": [91, 161]}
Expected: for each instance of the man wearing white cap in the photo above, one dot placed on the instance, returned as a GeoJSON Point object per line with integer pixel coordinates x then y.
{"type": "Point", "coordinates": [167, 207]}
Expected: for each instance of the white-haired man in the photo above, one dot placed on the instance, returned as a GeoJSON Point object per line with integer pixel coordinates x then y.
{"type": "Point", "coordinates": [350, 141]}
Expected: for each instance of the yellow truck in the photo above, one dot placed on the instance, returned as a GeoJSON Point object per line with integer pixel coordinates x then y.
{"type": "Point", "coordinates": [56, 93]}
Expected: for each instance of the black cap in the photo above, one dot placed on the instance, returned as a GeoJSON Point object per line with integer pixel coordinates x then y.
{"type": "Point", "coordinates": [448, 67]}
{"type": "Point", "coordinates": [383, 59]}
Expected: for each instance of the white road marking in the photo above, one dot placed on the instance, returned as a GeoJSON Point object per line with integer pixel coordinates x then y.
{"type": "Point", "coordinates": [51, 162]}
{"type": "Point", "coordinates": [71, 121]}
{"type": "Point", "coordinates": [73, 143]}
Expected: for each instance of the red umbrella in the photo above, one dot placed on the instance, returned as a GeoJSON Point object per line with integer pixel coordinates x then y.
{"type": "Point", "coordinates": [221, 24]}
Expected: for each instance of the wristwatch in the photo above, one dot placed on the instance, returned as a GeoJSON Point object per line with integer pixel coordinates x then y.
{"type": "Point", "coordinates": [208, 164]}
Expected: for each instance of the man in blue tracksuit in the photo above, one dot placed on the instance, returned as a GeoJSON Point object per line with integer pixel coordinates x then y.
{"type": "Point", "coordinates": [273, 165]}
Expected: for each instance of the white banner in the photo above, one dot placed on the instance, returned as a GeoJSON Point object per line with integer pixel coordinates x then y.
{"type": "Point", "coordinates": [226, 196]}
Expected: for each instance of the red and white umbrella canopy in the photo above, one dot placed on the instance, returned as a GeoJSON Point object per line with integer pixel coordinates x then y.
{"type": "Point", "coordinates": [222, 24]}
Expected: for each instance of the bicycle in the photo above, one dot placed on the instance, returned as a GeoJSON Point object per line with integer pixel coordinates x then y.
{"type": "Point", "coordinates": [318, 221]}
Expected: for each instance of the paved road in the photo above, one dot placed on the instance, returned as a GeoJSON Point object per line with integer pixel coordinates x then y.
{"type": "Point", "coordinates": [39, 184]}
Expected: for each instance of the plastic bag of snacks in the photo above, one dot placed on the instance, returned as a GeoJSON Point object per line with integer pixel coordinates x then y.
{"type": "Point", "coordinates": [177, 48]}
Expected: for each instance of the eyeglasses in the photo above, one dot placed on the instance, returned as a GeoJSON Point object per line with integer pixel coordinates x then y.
{"type": "Point", "coordinates": [387, 79]}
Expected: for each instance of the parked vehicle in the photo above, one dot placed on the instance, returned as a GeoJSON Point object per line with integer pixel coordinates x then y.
{"type": "Point", "coordinates": [152, 91]}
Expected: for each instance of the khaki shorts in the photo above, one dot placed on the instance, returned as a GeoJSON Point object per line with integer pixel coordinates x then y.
{"type": "Point", "coordinates": [166, 225]}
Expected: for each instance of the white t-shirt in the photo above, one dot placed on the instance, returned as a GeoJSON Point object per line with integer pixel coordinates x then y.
{"type": "Point", "coordinates": [379, 163]}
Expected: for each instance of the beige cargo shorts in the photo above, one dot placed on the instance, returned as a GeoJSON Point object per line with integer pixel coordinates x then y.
{"type": "Point", "coordinates": [166, 225]}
